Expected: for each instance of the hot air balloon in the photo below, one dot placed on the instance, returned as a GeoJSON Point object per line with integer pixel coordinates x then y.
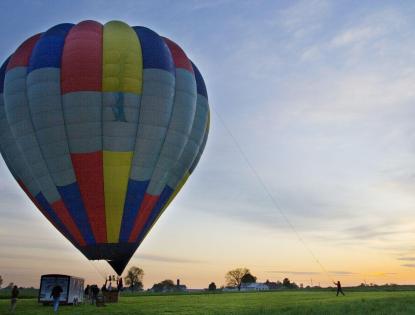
{"type": "Point", "coordinates": [101, 126]}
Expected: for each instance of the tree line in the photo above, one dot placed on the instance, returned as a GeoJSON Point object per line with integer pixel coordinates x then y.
{"type": "Point", "coordinates": [235, 278]}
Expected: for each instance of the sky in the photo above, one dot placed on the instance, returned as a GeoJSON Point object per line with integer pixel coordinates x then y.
{"type": "Point", "coordinates": [312, 104]}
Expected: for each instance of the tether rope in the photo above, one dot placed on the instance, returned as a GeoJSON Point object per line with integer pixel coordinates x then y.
{"type": "Point", "coordinates": [271, 197]}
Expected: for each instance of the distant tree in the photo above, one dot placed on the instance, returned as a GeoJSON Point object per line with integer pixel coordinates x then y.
{"type": "Point", "coordinates": [10, 285]}
{"type": "Point", "coordinates": [273, 285]}
{"type": "Point", "coordinates": [212, 286]}
{"type": "Point", "coordinates": [157, 287]}
{"type": "Point", "coordinates": [134, 278]}
{"type": "Point", "coordinates": [248, 278]}
{"type": "Point", "coordinates": [294, 285]}
{"type": "Point", "coordinates": [234, 277]}
{"type": "Point", "coordinates": [1, 281]}
{"type": "Point", "coordinates": [164, 286]}
{"type": "Point", "coordinates": [168, 283]}
{"type": "Point", "coordinates": [286, 282]}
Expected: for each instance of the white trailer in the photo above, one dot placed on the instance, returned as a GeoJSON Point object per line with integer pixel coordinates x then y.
{"type": "Point", "coordinates": [72, 288]}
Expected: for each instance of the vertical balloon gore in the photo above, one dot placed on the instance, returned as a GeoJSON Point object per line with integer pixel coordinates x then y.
{"type": "Point", "coordinates": [101, 125]}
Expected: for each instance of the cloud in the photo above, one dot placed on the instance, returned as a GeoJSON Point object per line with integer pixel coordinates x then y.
{"type": "Point", "coordinates": [294, 272]}
{"type": "Point", "coordinates": [406, 258]}
{"type": "Point", "coordinates": [372, 26]}
{"type": "Point", "coordinates": [382, 274]}
{"type": "Point", "coordinates": [167, 259]}
{"type": "Point", "coordinates": [356, 34]}
{"type": "Point", "coordinates": [203, 5]}
{"type": "Point", "coordinates": [303, 17]}
{"type": "Point", "coordinates": [369, 231]}
{"type": "Point", "coordinates": [408, 265]}
{"type": "Point", "coordinates": [334, 124]}
{"type": "Point", "coordinates": [342, 273]}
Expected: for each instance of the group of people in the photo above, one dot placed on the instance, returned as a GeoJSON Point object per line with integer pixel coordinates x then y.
{"type": "Point", "coordinates": [91, 292]}
{"type": "Point", "coordinates": [108, 284]}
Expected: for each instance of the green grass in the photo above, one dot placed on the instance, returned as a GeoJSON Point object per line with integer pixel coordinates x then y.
{"type": "Point", "coordinates": [26, 293]}
{"type": "Point", "coordinates": [283, 302]}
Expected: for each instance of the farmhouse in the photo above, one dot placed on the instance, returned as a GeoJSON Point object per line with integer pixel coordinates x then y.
{"type": "Point", "coordinates": [180, 287]}
{"type": "Point", "coordinates": [254, 287]}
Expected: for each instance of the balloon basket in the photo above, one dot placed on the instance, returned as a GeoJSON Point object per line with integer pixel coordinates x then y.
{"type": "Point", "coordinates": [111, 296]}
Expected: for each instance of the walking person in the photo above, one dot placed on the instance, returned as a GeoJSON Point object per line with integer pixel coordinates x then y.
{"type": "Point", "coordinates": [120, 285]}
{"type": "Point", "coordinates": [339, 288]}
{"type": "Point", "coordinates": [56, 294]}
{"type": "Point", "coordinates": [87, 293]}
{"type": "Point", "coordinates": [95, 292]}
{"type": "Point", "coordinates": [104, 287]}
{"type": "Point", "coordinates": [13, 300]}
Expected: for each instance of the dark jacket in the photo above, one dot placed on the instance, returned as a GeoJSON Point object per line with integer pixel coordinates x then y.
{"type": "Point", "coordinates": [95, 290]}
{"type": "Point", "coordinates": [56, 291]}
{"type": "Point", "coordinates": [15, 293]}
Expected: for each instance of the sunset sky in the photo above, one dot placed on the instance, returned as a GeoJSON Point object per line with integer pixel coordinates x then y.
{"type": "Point", "coordinates": [319, 95]}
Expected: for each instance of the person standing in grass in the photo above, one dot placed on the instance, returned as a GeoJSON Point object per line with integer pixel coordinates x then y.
{"type": "Point", "coordinates": [120, 285]}
{"type": "Point", "coordinates": [87, 293]}
{"type": "Point", "coordinates": [13, 300]}
{"type": "Point", "coordinates": [339, 288]}
{"type": "Point", "coordinates": [95, 292]}
{"type": "Point", "coordinates": [56, 294]}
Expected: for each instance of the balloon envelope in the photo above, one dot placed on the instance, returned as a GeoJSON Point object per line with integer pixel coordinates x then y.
{"type": "Point", "coordinates": [101, 125]}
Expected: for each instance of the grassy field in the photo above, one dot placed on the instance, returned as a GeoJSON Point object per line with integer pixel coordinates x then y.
{"type": "Point", "coordinates": [283, 302]}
